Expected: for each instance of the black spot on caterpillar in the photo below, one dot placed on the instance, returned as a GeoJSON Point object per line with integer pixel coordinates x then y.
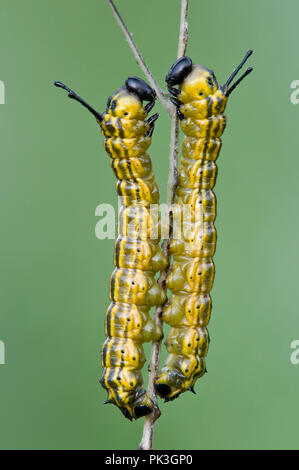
{"type": "Point", "coordinates": [200, 103]}
{"type": "Point", "coordinates": [137, 258]}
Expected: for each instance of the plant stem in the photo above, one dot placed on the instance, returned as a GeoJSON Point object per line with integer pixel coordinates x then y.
{"type": "Point", "coordinates": [149, 424]}
{"type": "Point", "coordinates": [183, 39]}
{"type": "Point", "coordinates": [140, 61]}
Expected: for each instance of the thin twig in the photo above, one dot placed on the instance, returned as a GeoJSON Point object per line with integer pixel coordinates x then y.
{"type": "Point", "coordinates": [183, 41]}
{"type": "Point", "coordinates": [140, 61]}
{"type": "Point", "coordinates": [149, 424]}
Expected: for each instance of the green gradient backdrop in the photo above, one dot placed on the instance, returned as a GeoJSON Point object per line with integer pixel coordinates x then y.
{"type": "Point", "coordinates": [55, 273]}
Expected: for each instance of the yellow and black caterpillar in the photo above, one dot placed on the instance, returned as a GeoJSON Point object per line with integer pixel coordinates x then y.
{"type": "Point", "coordinates": [137, 257]}
{"type": "Point", "coordinates": [200, 103]}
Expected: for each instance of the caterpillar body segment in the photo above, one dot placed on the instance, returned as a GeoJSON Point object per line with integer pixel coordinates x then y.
{"type": "Point", "coordinates": [134, 290]}
{"type": "Point", "coordinates": [200, 103]}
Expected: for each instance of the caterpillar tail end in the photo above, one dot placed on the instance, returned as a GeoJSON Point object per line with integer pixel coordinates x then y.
{"type": "Point", "coordinates": [131, 411]}
{"type": "Point", "coordinates": [173, 381]}
{"type": "Point", "coordinates": [132, 407]}
{"type": "Point", "coordinates": [137, 410]}
{"type": "Point", "coordinates": [164, 390]}
{"type": "Point", "coordinates": [168, 393]}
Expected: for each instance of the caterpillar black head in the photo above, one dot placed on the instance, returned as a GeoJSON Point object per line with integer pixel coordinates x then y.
{"type": "Point", "coordinates": [178, 72]}
{"type": "Point", "coordinates": [143, 91]}
{"type": "Point", "coordinates": [140, 88]}
{"type": "Point", "coordinates": [127, 101]}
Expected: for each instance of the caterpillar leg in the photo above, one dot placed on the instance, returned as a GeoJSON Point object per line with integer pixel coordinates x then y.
{"type": "Point", "coordinates": [148, 107]}
{"type": "Point", "coordinates": [151, 121]}
{"type": "Point", "coordinates": [177, 104]}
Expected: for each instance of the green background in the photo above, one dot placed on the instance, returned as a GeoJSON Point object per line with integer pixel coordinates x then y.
{"type": "Point", "coordinates": [55, 272]}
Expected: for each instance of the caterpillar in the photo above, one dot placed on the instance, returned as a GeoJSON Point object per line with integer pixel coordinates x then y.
{"type": "Point", "coordinates": [200, 103]}
{"type": "Point", "coordinates": [137, 257]}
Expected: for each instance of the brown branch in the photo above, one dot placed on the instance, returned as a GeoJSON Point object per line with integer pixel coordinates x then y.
{"type": "Point", "coordinates": [149, 424]}
{"type": "Point", "coordinates": [140, 61]}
